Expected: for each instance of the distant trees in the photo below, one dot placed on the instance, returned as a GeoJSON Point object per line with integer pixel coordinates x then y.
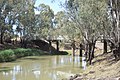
{"type": "Point", "coordinates": [5, 26]}
{"type": "Point", "coordinates": [18, 18]}
{"type": "Point", "coordinates": [45, 21]}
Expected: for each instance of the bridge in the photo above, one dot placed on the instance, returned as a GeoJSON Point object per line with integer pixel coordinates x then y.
{"type": "Point", "coordinates": [53, 41]}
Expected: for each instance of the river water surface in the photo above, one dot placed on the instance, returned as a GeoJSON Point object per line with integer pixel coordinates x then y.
{"type": "Point", "coordinates": [42, 68]}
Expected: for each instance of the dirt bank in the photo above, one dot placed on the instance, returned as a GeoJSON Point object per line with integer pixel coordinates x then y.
{"type": "Point", "coordinates": [104, 67]}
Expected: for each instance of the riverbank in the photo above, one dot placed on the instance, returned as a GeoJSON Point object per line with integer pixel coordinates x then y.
{"type": "Point", "coordinates": [8, 55]}
{"type": "Point", "coordinates": [104, 67]}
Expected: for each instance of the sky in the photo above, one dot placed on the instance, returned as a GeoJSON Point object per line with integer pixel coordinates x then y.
{"type": "Point", "coordinates": [55, 6]}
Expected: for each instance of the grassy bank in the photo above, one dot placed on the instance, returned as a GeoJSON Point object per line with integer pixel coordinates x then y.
{"type": "Point", "coordinates": [12, 54]}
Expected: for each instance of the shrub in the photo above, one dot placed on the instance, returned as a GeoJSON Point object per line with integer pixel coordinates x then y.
{"type": "Point", "coordinates": [10, 55]}
{"type": "Point", "coordinates": [7, 55]}
{"type": "Point", "coordinates": [21, 52]}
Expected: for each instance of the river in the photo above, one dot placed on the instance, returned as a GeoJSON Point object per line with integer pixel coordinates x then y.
{"type": "Point", "coordinates": [42, 68]}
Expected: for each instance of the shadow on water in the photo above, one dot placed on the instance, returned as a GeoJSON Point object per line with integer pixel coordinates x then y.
{"type": "Point", "coordinates": [35, 58]}
{"type": "Point", "coordinates": [18, 61]}
{"type": "Point", "coordinates": [32, 58]}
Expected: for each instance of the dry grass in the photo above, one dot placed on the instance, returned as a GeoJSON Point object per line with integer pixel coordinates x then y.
{"type": "Point", "coordinates": [104, 66]}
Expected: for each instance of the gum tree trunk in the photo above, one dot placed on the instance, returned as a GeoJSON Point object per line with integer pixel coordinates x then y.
{"type": "Point", "coordinates": [86, 51]}
{"type": "Point", "coordinates": [89, 53]}
{"type": "Point", "coordinates": [1, 39]}
{"type": "Point", "coordinates": [80, 50]}
{"type": "Point", "coordinates": [73, 48]}
{"type": "Point", "coordinates": [50, 47]}
{"type": "Point", "coordinates": [93, 49]}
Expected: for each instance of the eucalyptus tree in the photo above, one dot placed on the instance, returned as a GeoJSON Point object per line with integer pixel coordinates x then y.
{"type": "Point", "coordinates": [114, 36]}
{"type": "Point", "coordinates": [45, 21]}
{"type": "Point", "coordinates": [88, 16]}
{"type": "Point", "coordinates": [72, 35]}
{"type": "Point", "coordinates": [59, 23]}
{"type": "Point", "coordinates": [5, 9]}
{"type": "Point", "coordinates": [21, 14]}
{"type": "Point", "coordinates": [66, 28]}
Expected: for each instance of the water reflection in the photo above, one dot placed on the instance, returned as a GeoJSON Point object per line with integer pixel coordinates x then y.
{"type": "Point", "coordinates": [37, 74]}
{"type": "Point", "coordinates": [44, 68]}
{"type": "Point", "coordinates": [84, 63]}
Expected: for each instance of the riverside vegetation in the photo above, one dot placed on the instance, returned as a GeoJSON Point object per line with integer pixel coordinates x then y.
{"type": "Point", "coordinates": [12, 54]}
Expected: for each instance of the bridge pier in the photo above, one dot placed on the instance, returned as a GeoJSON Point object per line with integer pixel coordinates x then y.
{"type": "Point", "coordinates": [57, 45]}
{"type": "Point", "coordinates": [50, 44]}
{"type": "Point", "coordinates": [50, 47]}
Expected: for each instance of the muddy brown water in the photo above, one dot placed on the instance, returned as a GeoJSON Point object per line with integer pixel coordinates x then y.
{"type": "Point", "coordinates": [42, 68]}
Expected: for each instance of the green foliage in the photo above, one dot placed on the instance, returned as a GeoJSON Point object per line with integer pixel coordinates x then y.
{"type": "Point", "coordinates": [44, 21]}
{"type": "Point", "coordinates": [7, 55]}
{"type": "Point", "coordinates": [11, 55]}
{"type": "Point", "coordinates": [21, 52]}
{"type": "Point", "coordinates": [85, 19]}
{"type": "Point", "coordinates": [22, 14]}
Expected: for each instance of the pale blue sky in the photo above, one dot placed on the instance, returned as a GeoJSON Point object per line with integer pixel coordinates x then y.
{"type": "Point", "coordinates": [54, 6]}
